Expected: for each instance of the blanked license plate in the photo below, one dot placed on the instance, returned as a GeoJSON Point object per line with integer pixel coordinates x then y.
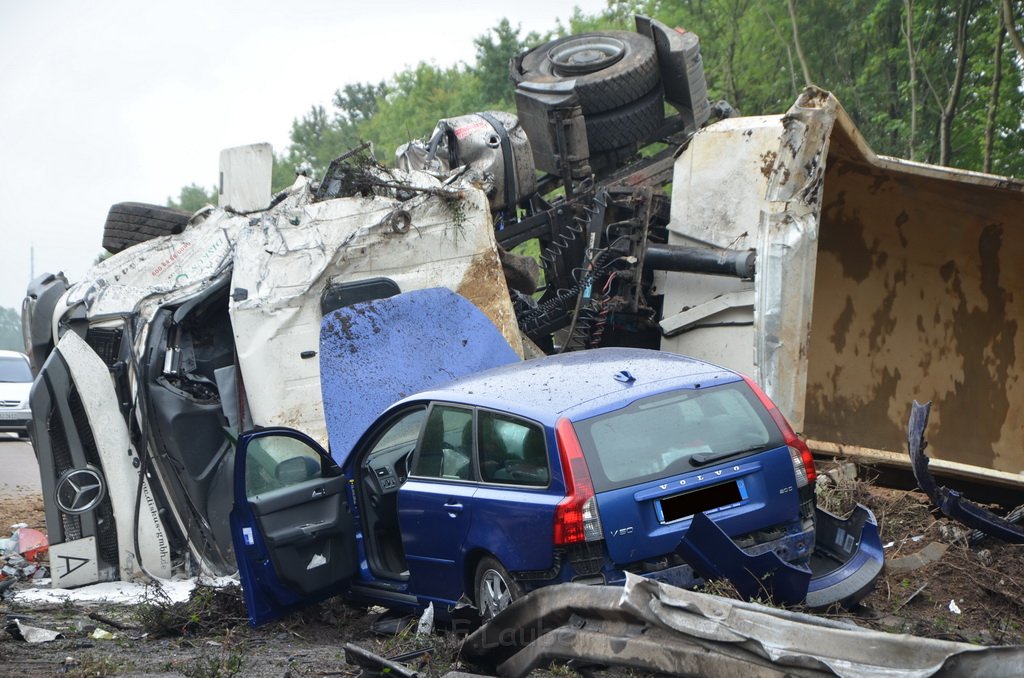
{"type": "Point", "coordinates": [11, 415]}
{"type": "Point", "coordinates": [697, 501]}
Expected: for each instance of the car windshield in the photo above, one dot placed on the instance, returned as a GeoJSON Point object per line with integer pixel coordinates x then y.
{"type": "Point", "coordinates": [14, 370]}
{"type": "Point", "coordinates": [673, 433]}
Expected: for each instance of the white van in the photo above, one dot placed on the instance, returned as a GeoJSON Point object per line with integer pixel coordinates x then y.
{"type": "Point", "coordinates": [15, 385]}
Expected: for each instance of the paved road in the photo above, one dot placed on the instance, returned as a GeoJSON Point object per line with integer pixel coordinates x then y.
{"type": "Point", "coordinates": [18, 469]}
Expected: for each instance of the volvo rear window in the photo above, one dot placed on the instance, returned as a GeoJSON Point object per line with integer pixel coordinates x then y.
{"type": "Point", "coordinates": [675, 432]}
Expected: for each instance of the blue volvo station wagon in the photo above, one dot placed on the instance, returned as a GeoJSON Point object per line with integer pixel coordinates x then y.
{"type": "Point", "coordinates": [499, 476]}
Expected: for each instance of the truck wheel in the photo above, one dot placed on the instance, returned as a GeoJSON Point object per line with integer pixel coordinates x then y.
{"type": "Point", "coordinates": [495, 589]}
{"type": "Point", "coordinates": [611, 69]}
{"type": "Point", "coordinates": [625, 125]}
{"type": "Point", "coordinates": [129, 223]}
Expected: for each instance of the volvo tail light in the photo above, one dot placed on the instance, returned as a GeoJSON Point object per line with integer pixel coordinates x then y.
{"type": "Point", "coordinates": [803, 461]}
{"type": "Point", "coordinates": [576, 516]}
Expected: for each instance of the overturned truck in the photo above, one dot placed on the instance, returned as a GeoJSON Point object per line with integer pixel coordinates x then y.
{"type": "Point", "coordinates": [843, 282]}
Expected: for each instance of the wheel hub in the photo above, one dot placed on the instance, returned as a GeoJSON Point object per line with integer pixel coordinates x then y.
{"type": "Point", "coordinates": [586, 55]}
{"type": "Point", "coordinates": [494, 595]}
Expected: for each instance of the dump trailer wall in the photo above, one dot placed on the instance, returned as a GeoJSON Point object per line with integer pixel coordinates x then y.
{"type": "Point", "coordinates": [878, 281]}
{"type": "Point", "coordinates": [918, 294]}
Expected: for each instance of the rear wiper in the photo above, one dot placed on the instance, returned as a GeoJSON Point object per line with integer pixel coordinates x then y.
{"type": "Point", "coordinates": [705, 458]}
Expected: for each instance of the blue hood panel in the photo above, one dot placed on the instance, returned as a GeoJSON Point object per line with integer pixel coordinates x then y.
{"type": "Point", "coordinates": [375, 353]}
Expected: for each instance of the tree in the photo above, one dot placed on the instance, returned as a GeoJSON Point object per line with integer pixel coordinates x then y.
{"type": "Point", "coordinates": [10, 330]}
{"type": "Point", "coordinates": [494, 50]}
{"type": "Point", "coordinates": [319, 137]}
{"type": "Point", "coordinates": [993, 104]}
{"type": "Point", "coordinates": [358, 102]}
{"type": "Point", "coordinates": [949, 109]}
{"type": "Point", "coordinates": [417, 100]}
{"type": "Point", "coordinates": [1010, 21]}
{"type": "Point", "coordinates": [791, 5]}
{"type": "Point", "coordinates": [193, 197]}
{"type": "Point", "coordinates": [919, 77]}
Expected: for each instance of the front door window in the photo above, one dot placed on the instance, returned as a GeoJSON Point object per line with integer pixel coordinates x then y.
{"type": "Point", "coordinates": [277, 462]}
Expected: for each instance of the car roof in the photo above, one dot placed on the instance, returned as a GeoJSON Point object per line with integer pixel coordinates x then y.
{"type": "Point", "coordinates": [579, 384]}
{"type": "Point", "coordinates": [13, 354]}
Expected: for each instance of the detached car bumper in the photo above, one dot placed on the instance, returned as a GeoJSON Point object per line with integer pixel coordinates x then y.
{"type": "Point", "coordinates": [846, 562]}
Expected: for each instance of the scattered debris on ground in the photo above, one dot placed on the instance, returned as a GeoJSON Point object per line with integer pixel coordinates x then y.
{"type": "Point", "coordinates": [944, 587]}
{"type": "Point", "coordinates": [930, 562]}
{"type": "Point", "coordinates": [23, 553]}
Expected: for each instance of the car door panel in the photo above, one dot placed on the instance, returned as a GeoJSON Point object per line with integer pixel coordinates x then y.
{"type": "Point", "coordinates": [306, 530]}
{"type": "Point", "coordinates": [435, 518]}
{"type": "Point", "coordinates": [294, 536]}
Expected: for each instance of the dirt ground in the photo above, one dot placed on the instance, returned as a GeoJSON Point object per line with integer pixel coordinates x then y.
{"type": "Point", "coordinates": [208, 637]}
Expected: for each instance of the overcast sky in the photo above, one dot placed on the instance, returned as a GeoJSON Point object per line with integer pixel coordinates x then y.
{"type": "Point", "coordinates": [112, 101]}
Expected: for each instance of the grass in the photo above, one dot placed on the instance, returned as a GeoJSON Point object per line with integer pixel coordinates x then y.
{"type": "Point", "coordinates": [226, 664]}
{"type": "Point", "coordinates": [90, 666]}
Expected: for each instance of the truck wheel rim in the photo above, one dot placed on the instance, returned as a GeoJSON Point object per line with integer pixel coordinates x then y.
{"type": "Point", "coordinates": [586, 55]}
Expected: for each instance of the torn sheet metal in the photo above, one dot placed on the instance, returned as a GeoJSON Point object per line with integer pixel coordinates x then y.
{"type": "Point", "coordinates": [167, 267]}
{"type": "Point", "coordinates": [787, 251]}
{"type": "Point", "coordinates": [655, 627]}
{"type": "Point", "coordinates": [951, 502]}
{"type": "Point", "coordinates": [492, 146]}
{"type": "Point", "coordinates": [286, 258]}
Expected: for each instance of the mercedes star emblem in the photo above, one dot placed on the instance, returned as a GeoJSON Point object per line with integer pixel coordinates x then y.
{"type": "Point", "coordinates": [79, 490]}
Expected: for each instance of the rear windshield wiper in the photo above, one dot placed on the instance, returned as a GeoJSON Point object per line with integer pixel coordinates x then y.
{"type": "Point", "coordinates": [705, 458]}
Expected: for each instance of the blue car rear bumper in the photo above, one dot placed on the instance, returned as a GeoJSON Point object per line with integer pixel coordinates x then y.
{"type": "Point", "coordinates": [847, 560]}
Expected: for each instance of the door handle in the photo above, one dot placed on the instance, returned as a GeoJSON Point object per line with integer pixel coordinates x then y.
{"type": "Point", "coordinates": [319, 492]}
{"type": "Point", "coordinates": [453, 508]}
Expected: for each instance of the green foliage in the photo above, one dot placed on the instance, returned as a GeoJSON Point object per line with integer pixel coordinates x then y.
{"type": "Point", "coordinates": [619, 16]}
{"type": "Point", "coordinates": [864, 51]}
{"type": "Point", "coordinates": [221, 665]}
{"type": "Point", "coordinates": [193, 197]}
{"type": "Point", "coordinates": [10, 330]}
{"type": "Point", "coordinates": [494, 50]}
{"type": "Point", "coordinates": [359, 102]}
{"type": "Point", "coordinates": [319, 137]}
{"type": "Point", "coordinates": [419, 98]}
{"type": "Point", "coordinates": [859, 51]}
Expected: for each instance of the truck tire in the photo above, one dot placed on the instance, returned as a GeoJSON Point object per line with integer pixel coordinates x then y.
{"type": "Point", "coordinates": [626, 125]}
{"type": "Point", "coordinates": [612, 69]}
{"type": "Point", "coordinates": [130, 223]}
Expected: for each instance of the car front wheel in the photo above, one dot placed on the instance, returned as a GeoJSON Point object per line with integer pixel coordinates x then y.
{"type": "Point", "coordinates": [495, 588]}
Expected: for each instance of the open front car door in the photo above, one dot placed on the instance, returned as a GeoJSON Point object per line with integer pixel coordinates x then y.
{"type": "Point", "coordinates": [293, 532]}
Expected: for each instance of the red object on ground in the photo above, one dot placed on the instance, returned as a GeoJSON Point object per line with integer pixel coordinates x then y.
{"type": "Point", "coordinates": [32, 544]}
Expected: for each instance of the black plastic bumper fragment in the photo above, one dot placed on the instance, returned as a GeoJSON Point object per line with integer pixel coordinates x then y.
{"type": "Point", "coordinates": [951, 502]}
